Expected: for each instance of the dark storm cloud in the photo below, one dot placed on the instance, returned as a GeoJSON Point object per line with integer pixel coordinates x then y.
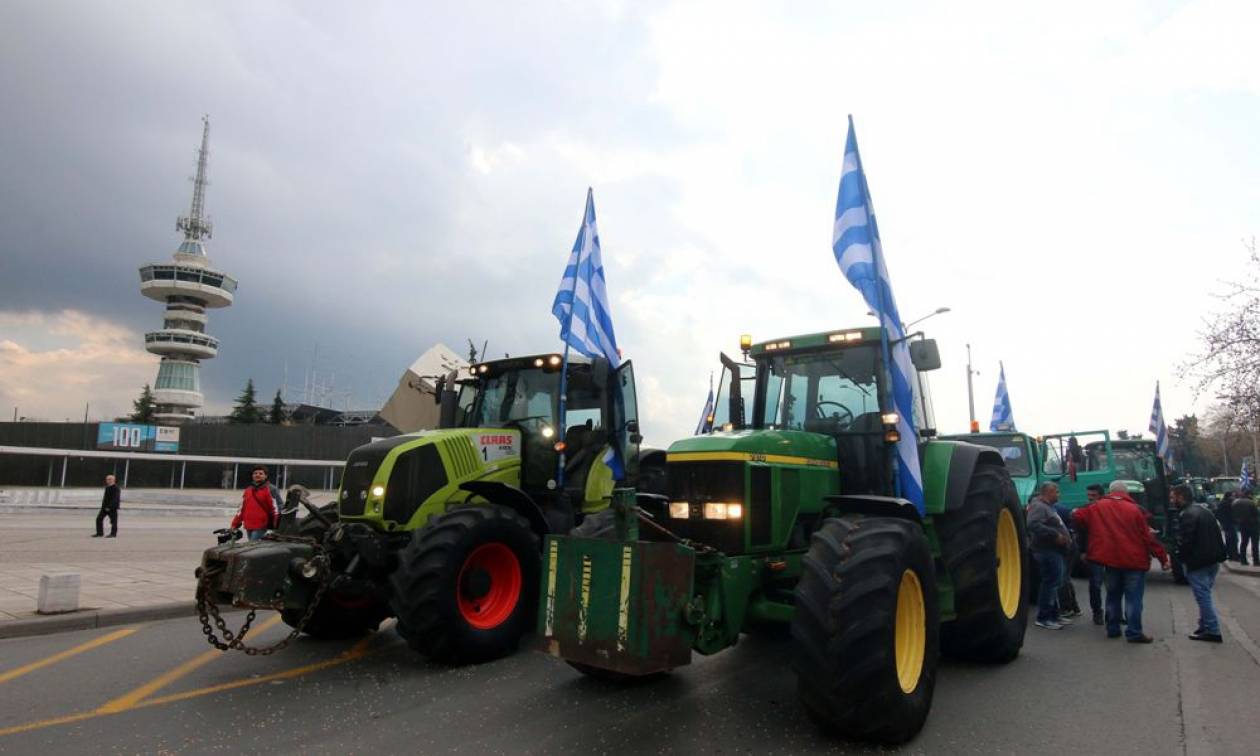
{"type": "Point", "coordinates": [343, 190]}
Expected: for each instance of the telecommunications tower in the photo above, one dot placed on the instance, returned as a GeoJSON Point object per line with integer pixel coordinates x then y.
{"type": "Point", "coordinates": [188, 286]}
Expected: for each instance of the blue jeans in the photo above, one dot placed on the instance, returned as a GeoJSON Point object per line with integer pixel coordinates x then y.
{"type": "Point", "coordinates": [255, 535]}
{"type": "Point", "coordinates": [1050, 566]}
{"type": "Point", "coordinates": [1096, 572]}
{"type": "Point", "coordinates": [1201, 582]}
{"type": "Point", "coordinates": [1129, 585]}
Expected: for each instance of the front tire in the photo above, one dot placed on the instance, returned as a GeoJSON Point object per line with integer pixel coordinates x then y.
{"type": "Point", "coordinates": [466, 587]}
{"type": "Point", "coordinates": [984, 549]}
{"type": "Point", "coordinates": [866, 628]}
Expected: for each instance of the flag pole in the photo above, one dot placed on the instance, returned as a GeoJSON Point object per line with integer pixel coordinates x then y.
{"type": "Point", "coordinates": [877, 254]}
{"type": "Point", "coordinates": [568, 327]}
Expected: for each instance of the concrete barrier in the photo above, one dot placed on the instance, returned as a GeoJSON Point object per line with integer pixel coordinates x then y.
{"type": "Point", "coordinates": [58, 593]}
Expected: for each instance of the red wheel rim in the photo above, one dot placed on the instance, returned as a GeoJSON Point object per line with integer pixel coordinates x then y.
{"type": "Point", "coordinates": [490, 609]}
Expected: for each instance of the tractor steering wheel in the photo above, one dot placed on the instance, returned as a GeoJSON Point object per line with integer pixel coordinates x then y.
{"type": "Point", "coordinates": [843, 418]}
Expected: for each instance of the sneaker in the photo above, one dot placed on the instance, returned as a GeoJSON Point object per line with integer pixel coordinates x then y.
{"type": "Point", "coordinates": [1044, 625]}
{"type": "Point", "coordinates": [1141, 639]}
{"type": "Point", "coordinates": [1065, 619]}
{"type": "Point", "coordinates": [1098, 618]}
{"type": "Point", "coordinates": [1199, 635]}
{"type": "Point", "coordinates": [1073, 613]}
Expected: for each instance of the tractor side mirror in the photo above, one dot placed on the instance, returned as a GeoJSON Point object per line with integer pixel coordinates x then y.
{"type": "Point", "coordinates": [925, 355]}
{"type": "Point", "coordinates": [438, 389]}
{"type": "Point", "coordinates": [632, 428]}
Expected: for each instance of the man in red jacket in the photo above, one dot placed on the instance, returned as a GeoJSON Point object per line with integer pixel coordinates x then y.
{"type": "Point", "coordinates": [260, 506]}
{"type": "Point", "coordinates": [1121, 541]}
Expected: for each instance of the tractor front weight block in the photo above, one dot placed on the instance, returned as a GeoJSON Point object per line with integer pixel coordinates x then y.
{"type": "Point", "coordinates": [616, 605]}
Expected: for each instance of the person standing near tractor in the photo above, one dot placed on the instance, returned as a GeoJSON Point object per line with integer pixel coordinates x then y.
{"type": "Point", "coordinates": [1225, 516]}
{"type": "Point", "coordinates": [260, 506]}
{"type": "Point", "coordinates": [1093, 492]}
{"type": "Point", "coordinates": [1202, 550]}
{"type": "Point", "coordinates": [1121, 541]}
{"type": "Point", "coordinates": [110, 502]}
{"type": "Point", "coordinates": [1247, 519]}
{"type": "Point", "coordinates": [1049, 540]}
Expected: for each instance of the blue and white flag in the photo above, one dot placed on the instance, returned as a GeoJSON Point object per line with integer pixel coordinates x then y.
{"type": "Point", "coordinates": [1003, 419]}
{"type": "Point", "coordinates": [706, 417]}
{"type": "Point", "coordinates": [581, 303]}
{"type": "Point", "coordinates": [1158, 428]}
{"type": "Point", "coordinates": [855, 242]}
{"type": "Point", "coordinates": [1245, 482]}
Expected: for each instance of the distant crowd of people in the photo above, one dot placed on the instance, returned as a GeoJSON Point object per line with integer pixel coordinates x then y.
{"type": "Point", "coordinates": [1111, 536]}
{"type": "Point", "coordinates": [1239, 517]}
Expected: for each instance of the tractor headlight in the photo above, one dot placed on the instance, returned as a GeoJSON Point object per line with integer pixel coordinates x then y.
{"type": "Point", "coordinates": [717, 510]}
{"type": "Point", "coordinates": [378, 490]}
{"type": "Point", "coordinates": [889, 418]}
{"type": "Point", "coordinates": [309, 569]}
{"type": "Point", "coordinates": [547, 431]}
{"type": "Point", "coordinates": [679, 510]}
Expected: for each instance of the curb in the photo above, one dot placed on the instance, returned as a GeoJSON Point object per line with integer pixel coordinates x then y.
{"type": "Point", "coordinates": [1238, 569]}
{"type": "Point", "coordinates": [94, 618]}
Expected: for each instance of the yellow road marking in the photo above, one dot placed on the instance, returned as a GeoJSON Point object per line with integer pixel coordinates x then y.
{"type": "Point", "coordinates": [357, 651]}
{"type": "Point", "coordinates": [128, 700]}
{"type": "Point", "coordinates": [94, 643]}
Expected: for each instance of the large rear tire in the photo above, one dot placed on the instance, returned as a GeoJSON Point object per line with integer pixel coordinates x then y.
{"type": "Point", "coordinates": [984, 548]}
{"type": "Point", "coordinates": [466, 587]}
{"type": "Point", "coordinates": [866, 628]}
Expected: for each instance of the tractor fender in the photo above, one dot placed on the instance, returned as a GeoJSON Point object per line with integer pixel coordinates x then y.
{"type": "Point", "coordinates": [962, 464]}
{"type": "Point", "coordinates": [869, 504]}
{"type": "Point", "coordinates": [514, 499]}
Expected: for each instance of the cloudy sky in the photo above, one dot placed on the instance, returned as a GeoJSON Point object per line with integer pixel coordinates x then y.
{"type": "Point", "coordinates": [1072, 182]}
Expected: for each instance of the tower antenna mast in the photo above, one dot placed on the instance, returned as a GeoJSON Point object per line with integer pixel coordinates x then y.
{"type": "Point", "coordinates": [195, 225]}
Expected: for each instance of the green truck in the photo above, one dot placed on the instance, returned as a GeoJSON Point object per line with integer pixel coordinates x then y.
{"type": "Point", "coordinates": [789, 516]}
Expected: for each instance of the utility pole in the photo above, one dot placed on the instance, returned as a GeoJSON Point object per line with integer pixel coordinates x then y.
{"type": "Point", "coordinates": [971, 395]}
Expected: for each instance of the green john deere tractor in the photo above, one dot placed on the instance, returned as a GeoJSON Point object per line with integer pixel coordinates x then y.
{"type": "Point", "coordinates": [442, 528]}
{"type": "Point", "coordinates": [788, 516]}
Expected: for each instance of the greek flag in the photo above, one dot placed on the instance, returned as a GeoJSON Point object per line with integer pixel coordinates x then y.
{"type": "Point", "coordinates": [581, 303]}
{"type": "Point", "coordinates": [855, 242]}
{"type": "Point", "coordinates": [1003, 418]}
{"type": "Point", "coordinates": [1158, 428]}
{"type": "Point", "coordinates": [1244, 479]}
{"type": "Point", "coordinates": [706, 417]}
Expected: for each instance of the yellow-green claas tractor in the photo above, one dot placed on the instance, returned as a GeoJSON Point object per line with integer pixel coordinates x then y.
{"type": "Point", "coordinates": [442, 528]}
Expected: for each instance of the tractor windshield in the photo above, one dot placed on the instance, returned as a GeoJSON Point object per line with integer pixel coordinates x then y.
{"type": "Point", "coordinates": [821, 392]}
{"type": "Point", "coordinates": [1014, 451]}
{"type": "Point", "coordinates": [513, 397]}
{"type": "Point", "coordinates": [1132, 462]}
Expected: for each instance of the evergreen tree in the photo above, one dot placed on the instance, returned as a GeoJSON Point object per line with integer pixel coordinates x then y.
{"type": "Point", "coordinates": [246, 410]}
{"type": "Point", "coordinates": [277, 416]}
{"type": "Point", "coordinates": [143, 408]}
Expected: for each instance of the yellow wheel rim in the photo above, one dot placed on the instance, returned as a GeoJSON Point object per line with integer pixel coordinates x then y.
{"type": "Point", "coordinates": [911, 639]}
{"type": "Point", "coordinates": [1009, 568]}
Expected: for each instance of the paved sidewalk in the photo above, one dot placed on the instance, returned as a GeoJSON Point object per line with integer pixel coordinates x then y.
{"type": "Point", "coordinates": [1250, 569]}
{"type": "Point", "coordinates": [144, 573]}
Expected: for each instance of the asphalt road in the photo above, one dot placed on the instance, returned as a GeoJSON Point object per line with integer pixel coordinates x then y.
{"type": "Point", "coordinates": [158, 688]}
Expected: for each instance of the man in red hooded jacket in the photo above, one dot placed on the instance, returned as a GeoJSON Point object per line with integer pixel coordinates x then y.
{"type": "Point", "coordinates": [1121, 541]}
{"type": "Point", "coordinates": [260, 506]}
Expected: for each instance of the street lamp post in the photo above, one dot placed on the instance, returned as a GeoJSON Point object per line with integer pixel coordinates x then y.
{"type": "Point", "coordinates": [906, 326]}
{"type": "Point", "coordinates": [971, 396]}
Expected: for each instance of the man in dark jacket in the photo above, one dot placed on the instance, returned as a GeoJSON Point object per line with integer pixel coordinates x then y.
{"type": "Point", "coordinates": [1049, 540]}
{"type": "Point", "coordinates": [109, 508]}
{"type": "Point", "coordinates": [1121, 541]}
{"type": "Point", "coordinates": [1225, 516]}
{"type": "Point", "coordinates": [1247, 518]}
{"type": "Point", "coordinates": [1202, 550]}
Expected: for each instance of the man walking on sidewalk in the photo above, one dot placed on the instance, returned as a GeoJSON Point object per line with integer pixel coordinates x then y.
{"type": "Point", "coordinates": [1121, 541]}
{"type": "Point", "coordinates": [109, 508]}
{"type": "Point", "coordinates": [1202, 550]}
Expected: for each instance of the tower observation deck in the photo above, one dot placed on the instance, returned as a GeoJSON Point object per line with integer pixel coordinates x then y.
{"type": "Point", "coordinates": [189, 287]}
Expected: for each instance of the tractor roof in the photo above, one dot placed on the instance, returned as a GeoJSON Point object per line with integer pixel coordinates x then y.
{"type": "Point", "coordinates": [812, 341]}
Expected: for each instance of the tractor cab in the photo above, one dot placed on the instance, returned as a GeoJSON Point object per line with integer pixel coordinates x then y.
{"type": "Point", "coordinates": [831, 384]}
{"type": "Point", "coordinates": [523, 394]}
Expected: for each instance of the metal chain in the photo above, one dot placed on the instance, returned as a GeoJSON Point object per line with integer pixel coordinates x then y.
{"type": "Point", "coordinates": [206, 608]}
